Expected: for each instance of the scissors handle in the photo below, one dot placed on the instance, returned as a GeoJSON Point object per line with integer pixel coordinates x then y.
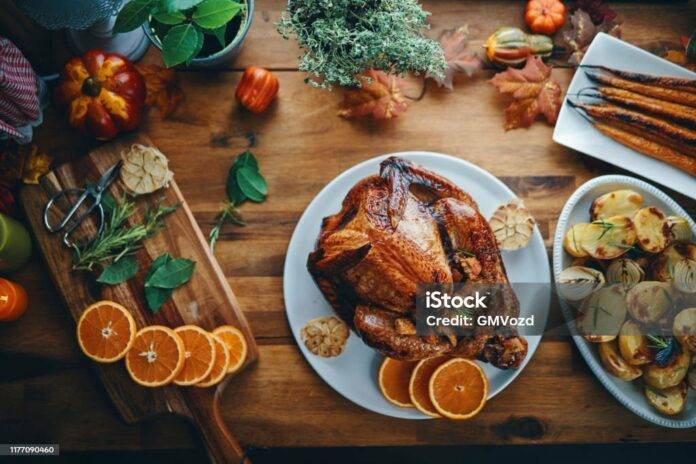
{"type": "Point", "coordinates": [68, 220]}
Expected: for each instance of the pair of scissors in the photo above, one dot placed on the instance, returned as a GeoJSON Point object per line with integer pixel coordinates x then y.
{"type": "Point", "coordinates": [94, 193]}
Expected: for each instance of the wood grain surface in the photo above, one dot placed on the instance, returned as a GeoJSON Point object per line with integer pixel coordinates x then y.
{"type": "Point", "coordinates": [301, 145]}
{"type": "Point", "coordinates": [206, 300]}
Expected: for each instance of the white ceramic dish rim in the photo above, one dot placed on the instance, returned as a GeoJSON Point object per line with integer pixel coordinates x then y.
{"type": "Point", "coordinates": [534, 340]}
{"type": "Point", "coordinates": [584, 346]}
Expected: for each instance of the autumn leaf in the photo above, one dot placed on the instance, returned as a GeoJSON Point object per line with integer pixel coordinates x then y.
{"type": "Point", "coordinates": [597, 10]}
{"type": "Point", "coordinates": [23, 163]}
{"type": "Point", "coordinates": [380, 96]}
{"type": "Point", "coordinates": [577, 34]}
{"type": "Point", "coordinates": [163, 90]}
{"type": "Point", "coordinates": [533, 92]}
{"type": "Point", "coordinates": [680, 56]}
{"type": "Point", "coordinates": [458, 59]}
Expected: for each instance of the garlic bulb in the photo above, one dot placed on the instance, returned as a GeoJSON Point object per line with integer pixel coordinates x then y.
{"type": "Point", "coordinates": [681, 231]}
{"type": "Point", "coordinates": [144, 169]}
{"type": "Point", "coordinates": [512, 226]}
{"type": "Point", "coordinates": [325, 336]}
{"type": "Point", "coordinates": [577, 282]}
{"type": "Point", "coordinates": [685, 276]}
{"type": "Point", "coordinates": [625, 271]}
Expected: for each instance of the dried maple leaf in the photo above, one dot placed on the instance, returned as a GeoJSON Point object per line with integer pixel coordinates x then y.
{"type": "Point", "coordinates": [23, 163]}
{"type": "Point", "coordinates": [163, 90]}
{"type": "Point", "coordinates": [533, 92]}
{"type": "Point", "coordinates": [578, 33]}
{"type": "Point", "coordinates": [380, 96]}
{"type": "Point", "coordinates": [597, 10]}
{"type": "Point", "coordinates": [680, 56]}
{"type": "Point", "coordinates": [458, 59]}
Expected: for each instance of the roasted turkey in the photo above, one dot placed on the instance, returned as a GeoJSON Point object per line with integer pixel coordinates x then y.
{"type": "Point", "coordinates": [404, 227]}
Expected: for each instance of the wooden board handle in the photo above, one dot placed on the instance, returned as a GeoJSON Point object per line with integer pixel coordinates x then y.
{"type": "Point", "coordinates": [222, 446]}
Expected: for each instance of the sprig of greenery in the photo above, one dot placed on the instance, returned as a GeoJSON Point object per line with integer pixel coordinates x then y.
{"type": "Point", "coordinates": [117, 239]}
{"type": "Point", "coordinates": [343, 38]}
{"type": "Point", "coordinates": [228, 215]}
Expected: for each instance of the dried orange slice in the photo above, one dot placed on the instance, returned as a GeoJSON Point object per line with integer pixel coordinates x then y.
{"type": "Point", "coordinates": [222, 359]}
{"type": "Point", "coordinates": [394, 377]}
{"type": "Point", "coordinates": [419, 385]}
{"type": "Point", "coordinates": [458, 389]}
{"type": "Point", "coordinates": [156, 357]}
{"type": "Point", "coordinates": [199, 352]}
{"type": "Point", "coordinates": [234, 339]}
{"type": "Point", "coordinates": [105, 331]}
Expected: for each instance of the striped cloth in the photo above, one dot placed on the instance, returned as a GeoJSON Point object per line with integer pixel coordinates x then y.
{"type": "Point", "coordinates": [19, 92]}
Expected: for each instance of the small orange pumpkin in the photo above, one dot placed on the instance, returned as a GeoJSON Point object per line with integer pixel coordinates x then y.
{"type": "Point", "coordinates": [545, 16]}
{"type": "Point", "coordinates": [257, 89]}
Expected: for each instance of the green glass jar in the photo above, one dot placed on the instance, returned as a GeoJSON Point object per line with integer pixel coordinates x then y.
{"type": "Point", "coordinates": [15, 244]}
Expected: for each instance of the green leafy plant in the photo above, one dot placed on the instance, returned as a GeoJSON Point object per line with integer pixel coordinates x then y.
{"type": "Point", "coordinates": [117, 239]}
{"type": "Point", "coordinates": [244, 182]}
{"type": "Point", "coordinates": [165, 275]}
{"type": "Point", "coordinates": [343, 38]}
{"type": "Point", "coordinates": [182, 24]}
{"type": "Point", "coordinates": [120, 271]}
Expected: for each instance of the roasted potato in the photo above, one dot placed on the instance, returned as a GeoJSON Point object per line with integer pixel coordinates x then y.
{"type": "Point", "coordinates": [609, 238]}
{"type": "Point", "coordinates": [684, 328]}
{"type": "Point", "coordinates": [652, 229]}
{"type": "Point", "coordinates": [669, 401]}
{"type": "Point", "coordinates": [603, 314]}
{"type": "Point", "coordinates": [662, 267]}
{"type": "Point", "coordinates": [669, 375]}
{"type": "Point", "coordinates": [633, 345]}
{"type": "Point", "coordinates": [617, 203]}
{"type": "Point", "coordinates": [615, 364]}
{"type": "Point", "coordinates": [572, 242]}
{"type": "Point", "coordinates": [649, 301]}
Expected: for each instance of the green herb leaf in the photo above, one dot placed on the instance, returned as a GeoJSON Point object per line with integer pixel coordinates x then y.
{"type": "Point", "coordinates": [180, 44]}
{"type": "Point", "coordinates": [227, 215]}
{"type": "Point", "coordinates": [161, 260]}
{"type": "Point", "coordinates": [173, 5]}
{"type": "Point", "coordinates": [246, 158]}
{"type": "Point", "coordinates": [199, 45]}
{"type": "Point", "coordinates": [252, 184]}
{"type": "Point", "coordinates": [173, 274]}
{"type": "Point", "coordinates": [133, 15]}
{"type": "Point", "coordinates": [170, 18]}
{"type": "Point", "coordinates": [156, 297]}
{"type": "Point", "coordinates": [219, 34]}
{"type": "Point", "coordinates": [211, 14]}
{"type": "Point", "coordinates": [119, 271]}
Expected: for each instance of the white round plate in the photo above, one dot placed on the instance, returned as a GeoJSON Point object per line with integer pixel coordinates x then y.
{"type": "Point", "coordinates": [353, 374]}
{"type": "Point", "coordinates": [576, 210]}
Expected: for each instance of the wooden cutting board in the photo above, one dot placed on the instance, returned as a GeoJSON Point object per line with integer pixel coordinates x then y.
{"type": "Point", "coordinates": [206, 300]}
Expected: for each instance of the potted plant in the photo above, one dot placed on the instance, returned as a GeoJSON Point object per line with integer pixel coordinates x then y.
{"type": "Point", "coordinates": [197, 33]}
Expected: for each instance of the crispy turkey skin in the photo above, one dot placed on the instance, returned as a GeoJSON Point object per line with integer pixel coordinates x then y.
{"type": "Point", "coordinates": [404, 227]}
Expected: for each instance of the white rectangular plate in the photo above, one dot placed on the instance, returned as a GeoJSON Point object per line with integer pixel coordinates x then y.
{"type": "Point", "coordinates": [575, 132]}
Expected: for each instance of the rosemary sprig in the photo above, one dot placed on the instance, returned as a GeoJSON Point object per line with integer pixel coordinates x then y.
{"type": "Point", "coordinates": [658, 342]}
{"type": "Point", "coordinates": [228, 215]}
{"type": "Point", "coordinates": [117, 239]}
{"type": "Point", "coordinates": [606, 227]}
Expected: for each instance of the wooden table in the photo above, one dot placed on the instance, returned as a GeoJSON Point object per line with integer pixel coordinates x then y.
{"type": "Point", "coordinates": [48, 389]}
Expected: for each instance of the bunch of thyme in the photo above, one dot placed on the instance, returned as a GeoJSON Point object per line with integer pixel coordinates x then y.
{"type": "Point", "coordinates": [117, 239]}
{"type": "Point", "coordinates": [343, 38]}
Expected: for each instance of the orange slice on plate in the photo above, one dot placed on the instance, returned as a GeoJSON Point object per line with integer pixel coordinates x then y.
{"type": "Point", "coordinates": [394, 377]}
{"type": "Point", "coordinates": [234, 339]}
{"type": "Point", "coordinates": [419, 385]}
{"type": "Point", "coordinates": [458, 389]}
{"type": "Point", "coordinates": [222, 359]}
{"type": "Point", "coordinates": [156, 357]}
{"type": "Point", "coordinates": [105, 331]}
{"type": "Point", "coordinates": [199, 350]}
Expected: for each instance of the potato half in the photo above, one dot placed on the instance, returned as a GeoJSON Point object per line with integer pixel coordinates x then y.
{"type": "Point", "coordinates": [684, 328]}
{"type": "Point", "coordinates": [652, 229]}
{"type": "Point", "coordinates": [615, 364]}
{"type": "Point", "coordinates": [609, 238]}
{"type": "Point", "coordinates": [662, 267]}
{"type": "Point", "coordinates": [670, 375]}
{"type": "Point", "coordinates": [669, 401]}
{"type": "Point", "coordinates": [572, 242]}
{"type": "Point", "coordinates": [649, 301]}
{"type": "Point", "coordinates": [617, 203]}
{"type": "Point", "coordinates": [633, 345]}
{"type": "Point", "coordinates": [603, 314]}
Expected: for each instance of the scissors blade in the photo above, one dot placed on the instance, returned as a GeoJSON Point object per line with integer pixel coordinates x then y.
{"type": "Point", "coordinates": [108, 177]}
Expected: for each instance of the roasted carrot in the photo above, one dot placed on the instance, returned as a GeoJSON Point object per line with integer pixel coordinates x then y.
{"type": "Point", "coordinates": [671, 111]}
{"type": "Point", "coordinates": [649, 148]}
{"type": "Point", "coordinates": [668, 82]}
{"type": "Point", "coordinates": [677, 96]}
{"type": "Point", "coordinates": [676, 137]}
